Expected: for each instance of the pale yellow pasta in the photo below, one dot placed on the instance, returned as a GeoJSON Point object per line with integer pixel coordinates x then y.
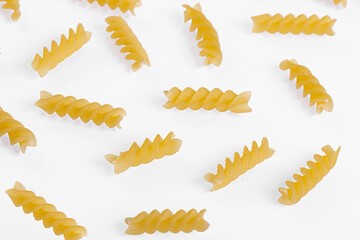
{"type": "Point", "coordinates": [148, 152]}
{"type": "Point", "coordinates": [123, 5]}
{"type": "Point", "coordinates": [13, 5]}
{"type": "Point", "coordinates": [342, 2]}
{"type": "Point", "coordinates": [59, 53]}
{"type": "Point", "coordinates": [166, 221]}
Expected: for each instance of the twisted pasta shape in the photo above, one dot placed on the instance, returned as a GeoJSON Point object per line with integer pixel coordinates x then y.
{"type": "Point", "coordinates": [311, 85]}
{"type": "Point", "coordinates": [294, 25]}
{"type": "Point", "coordinates": [233, 170]}
{"type": "Point", "coordinates": [46, 212]}
{"type": "Point", "coordinates": [60, 52]}
{"type": "Point", "coordinates": [123, 5]}
{"type": "Point", "coordinates": [206, 33]}
{"type": "Point", "coordinates": [208, 100]}
{"type": "Point", "coordinates": [80, 108]}
{"type": "Point", "coordinates": [343, 2]}
{"type": "Point", "coordinates": [125, 36]}
{"type": "Point", "coordinates": [166, 221]}
{"type": "Point", "coordinates": [12, 5]}
{"type": "Point", "coordinates": [317, 170]}
{"type": "Point", "coordinates": [148, 152]}
{"type": "Point", "coordinates": [16, 131]}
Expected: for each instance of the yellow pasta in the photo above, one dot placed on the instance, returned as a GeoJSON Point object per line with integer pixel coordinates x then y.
{"type": "Point", "coordinates": [343, 2]}
{"type": "Point", "coordinates": [126, 38]}
{"type": "Point", "coordinates": [206, 33]}
{"type": "Point", "coordinates": [59, 53]}
{"type": "Point", "coordinates": [12, 5]}
{"type": "Point", "coordinates": [148, 152]}
{"type": "Point", "coordinates": [208, 100]}
{"type": "Point", "coordinates": [80, 108]}
{"type": "Point", "coordinates": [46, 212]}
{"type": "Point", "coordinates": [240, 165]}
{"type": "Point", "coordinates": [16, 131]}
{"type": "Point", "coordinates": [311, 85]}
{"type": "Point", "coordinates": [317, 170]}
{"type": "Point", "coordinates": [123, 5]}
{"type": "Point", "coordinates": [294, 25]}
{"type": "Point", "coordinates": [166, 221]}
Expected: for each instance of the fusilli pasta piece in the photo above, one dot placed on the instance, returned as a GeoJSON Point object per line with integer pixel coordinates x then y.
{"type": "Point", "coordinates": [240, 165]}
{"type": "Point", "coordinates": [148, 152]}
{"type": "Point", "coordinates": [208, 100]}
{"type": "Point", "coordinates": [16, 131]}
{"type": "Point", "coordinates": [123, 5]}
{"type": "Point", "coordinates": [126, 38]}
{"type": "Point", "coordinates": [294, 25]}
{"type": "Point", "coordinates": [317, 170]}
{"type": "Point", "coordinates": [80, 108]}
{"type": "Point", "coordinates": [12, 5]}
{"type": "Point", "coordinates": [206, 33]}
{"type": "Point", "coordinates": [166, 221]}
{"type": "Point", "coordinates": [46, 212]}
{"type": "Point", "coordinates": [343, 2]}
{"type": "Point", "coordinates": [311, 85]}
{"type": "Point", "coordinates": [59, 53]}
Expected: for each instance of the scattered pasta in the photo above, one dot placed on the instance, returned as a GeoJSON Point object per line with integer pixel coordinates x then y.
{"type": "Point", "coordinates": [166, 221]}
{"type": "Point", "coordinates": [12, 5]}
{"type": "Point", "coordinates": [206, 33]}
{"type": "Point", "coordinates": [59, 53]}
{"type": "Point", "coordinates": [45, 212]}
{"type": "Point", "coordinates": [148, 152]}
{"type": "Point", "coordinates": [126, 38]}
{"type": "Point", "coordinates": [343, 2]}
{"type": "Point", "coordinates": [294, 25]}
{"type": "Point", "coordinates": [208, 100]}
{"type": "Point", "coordinates": [311, 85]}
{"type": "Point", "coordinates": [80, 108]}
{"type": "Point", "coordinates": [240, 165]}
{"type": "Point", "coordinates": [16, 131]}
{"type": "Point", "coordinates": [123, 5]}
{"type": "Point", "coordinates": [317, 170]}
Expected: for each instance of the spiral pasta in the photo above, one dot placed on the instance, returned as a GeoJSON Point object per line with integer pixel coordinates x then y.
{"type": "Point", "coordinates": [343, 2]}
{"type": "Point", "coordinates": [12, 5]}
{"type": "Point", "coordinates": [148, 152]}
{"type": "Point", "coordinates": [166, 221]}
{"type": "Point", "coordinates": [294, 25]}
{"type": "Point", "coordinates": [311, 85]}
{"type": "Point", "coordinates": [80, 108]}
{"type": "Point", "coordinates": [46, 212]}
{"type": "Point", "coordinates": [131, 45]}
{"type": "Point", "coordinates": [240, 165]}
{"type": "Point", "coordinates": [16, 131]}
{"type": "Point", "coordinates": [208, 100]}
{"type": "Point", "coordinates": [206, 33]}
{"type": "Point", "coordinates": [317, 170]}
{"type": "Point", "coordinates": [123, 5]}
{"type": "Point", "coordinates": [60, 52]}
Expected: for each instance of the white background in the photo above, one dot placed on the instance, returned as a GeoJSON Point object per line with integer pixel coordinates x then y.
{"type": "Point", "coordinates": [68, 166]}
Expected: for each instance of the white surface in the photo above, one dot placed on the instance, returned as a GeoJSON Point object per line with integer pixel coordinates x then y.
{"type": "Point", "coordinates": [68, 166]}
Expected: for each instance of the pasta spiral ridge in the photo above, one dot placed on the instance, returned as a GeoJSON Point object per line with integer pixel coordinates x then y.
{"type": "Point", "coordinates": [80, 108]}
{"type": "Point", "coordinates": [206, 33]}
{"type": "Point", "coordinates": [294, 25]}
{"type": "Point", "coordinates": [16, 131]}
{"type": "Point", "coordinates": [59, 53]}
{"type": "Point", "coordinates": [123, 5]}
{"type": "Point", "coordinates": [317, 170]}
{"type": "Point", "coordinates": [46, 212]}
{"type": "Point", "coordinates": [208, 100]}
{"type": "Point", "coordinates": [240, 165]}
{"type": "Point", "coordinates": [126, 37]}
{"type": "Point", "coordinates": [166, 221]}
{"type": "Point", "coordinates": [148, 152]}
{"type": "Point", "coordinates": [12, 5]}
{"type": "Point", "coordinates": [311, 85]}
{"type": "Point", "coordinates": [343, 2]}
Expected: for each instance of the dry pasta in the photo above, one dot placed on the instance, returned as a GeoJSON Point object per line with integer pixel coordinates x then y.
{"type": "Point", "coordinates": [13, 5]}
{"type": "Point", "coordinates": [342, 2]}
{"type": "Point", "coordinates": [123, 5]}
